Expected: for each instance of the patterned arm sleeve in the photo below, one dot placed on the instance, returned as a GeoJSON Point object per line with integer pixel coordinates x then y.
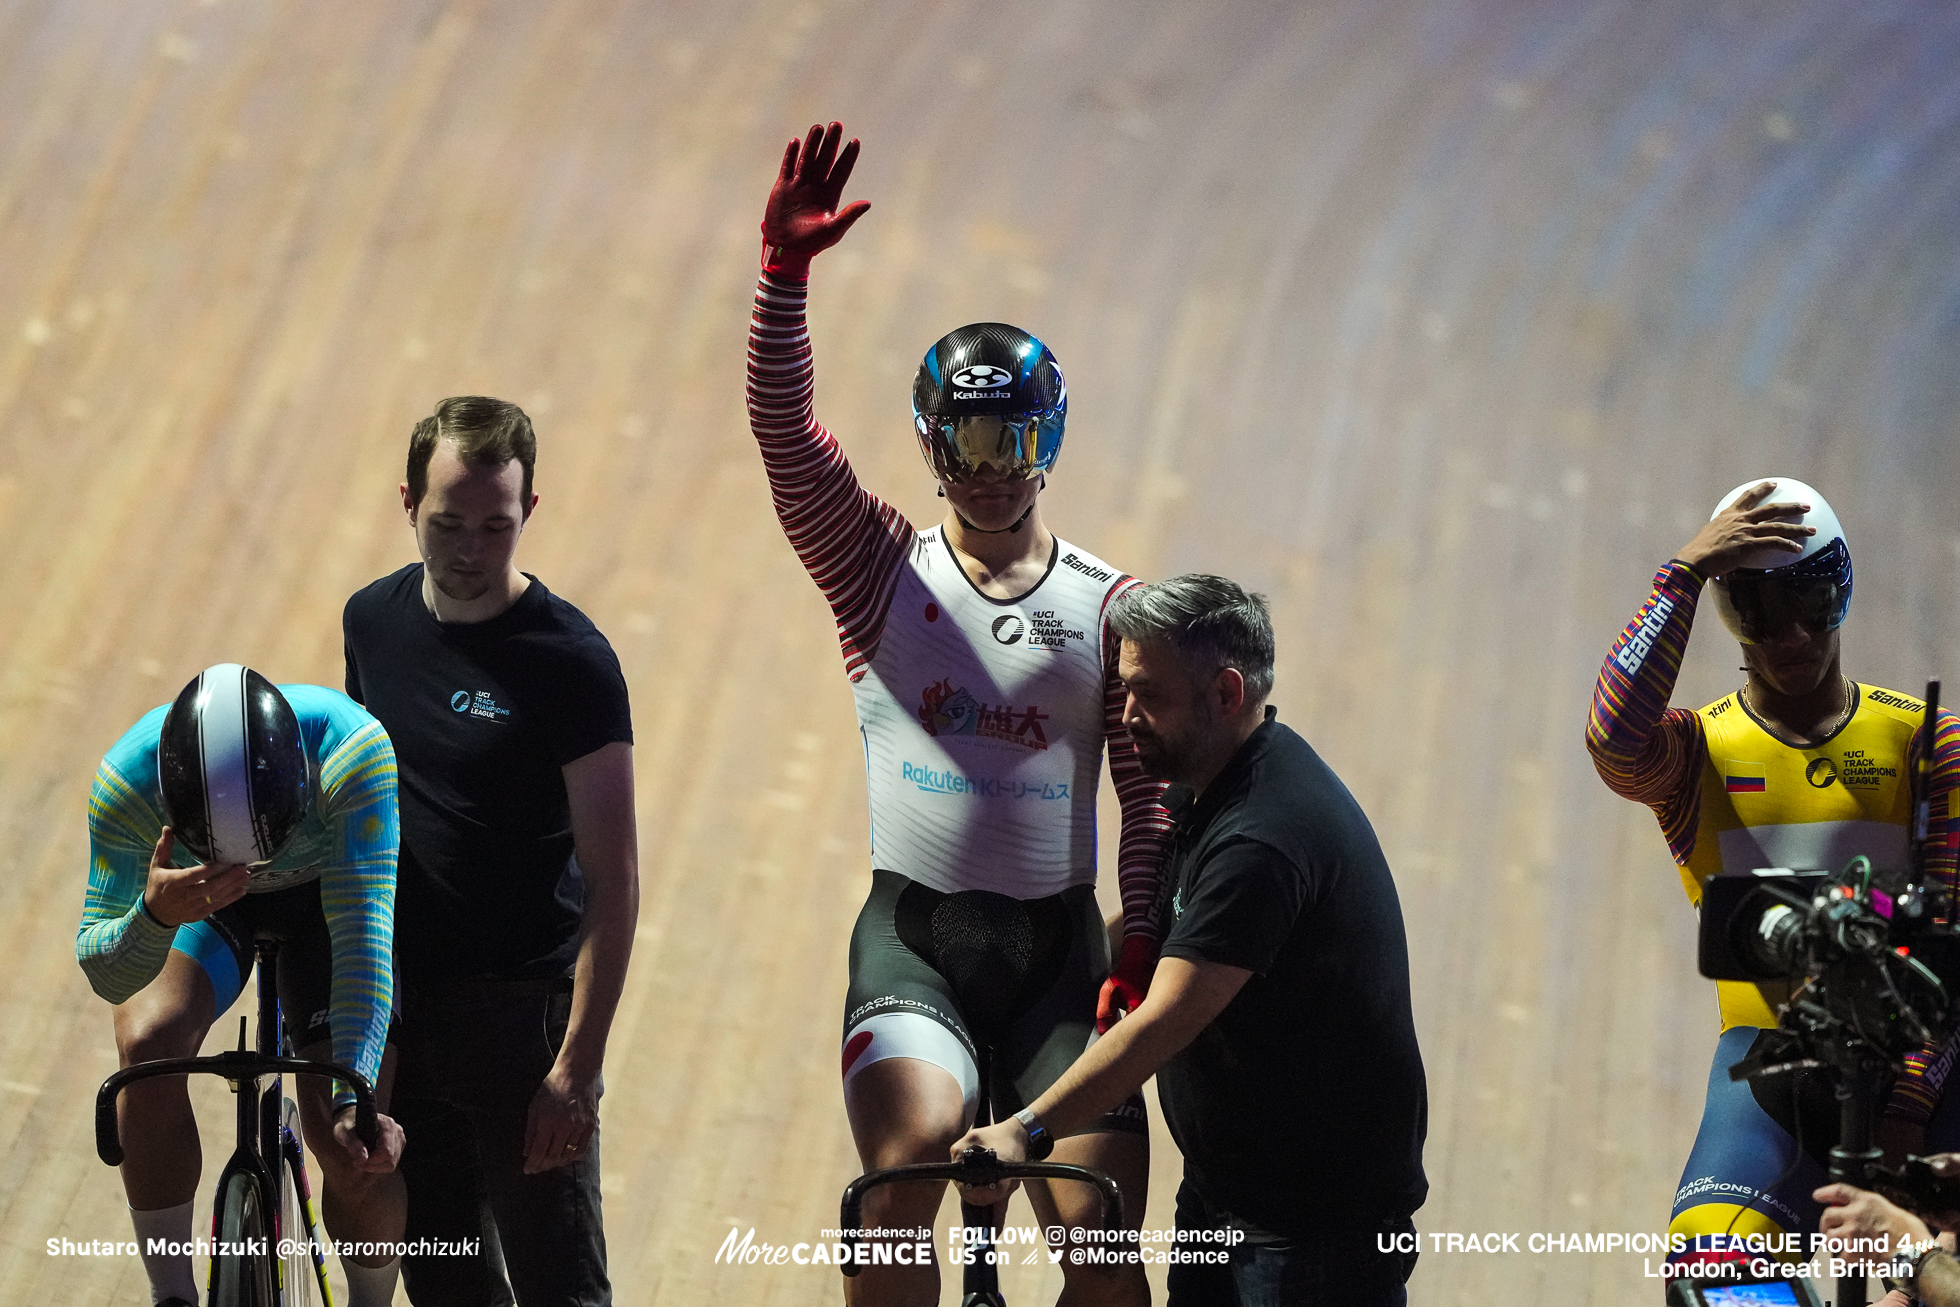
{"type": "Point", "coordinates": [1641, 748]}
{"type": "Point", "coordinates": [851, 541]}
{"type": "Point", "coordinates": [1918, 1090]}
{"type": "Point", "coordinates": [357, 893]}
{"type": "Point", "coordinates": [1146, 826]}
{"type": "Point", "coordinates": [120, 946]}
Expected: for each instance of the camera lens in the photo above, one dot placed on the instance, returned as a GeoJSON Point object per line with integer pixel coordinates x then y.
{"type": "Point", "coordinates": [1766, 935]}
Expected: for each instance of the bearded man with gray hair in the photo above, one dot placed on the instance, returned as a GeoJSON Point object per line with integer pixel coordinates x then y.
{"type": "Point", "coordinates": [1278, 1020]}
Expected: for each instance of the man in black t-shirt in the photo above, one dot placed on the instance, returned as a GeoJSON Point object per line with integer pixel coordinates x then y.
{"type": "Point", "coordinates": [1278, 1020]}
{"type": "Point", "coordinates": [518, 887]}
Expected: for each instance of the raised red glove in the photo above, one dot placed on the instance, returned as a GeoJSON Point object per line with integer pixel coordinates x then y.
{"type": "Point", "coordinates": [1129, 981]}
{"type": "Point", "coordinates": [803, 218]}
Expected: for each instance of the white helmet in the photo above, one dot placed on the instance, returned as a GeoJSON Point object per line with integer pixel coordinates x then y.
{"type": "Point", "coordinates": [1773, 588]}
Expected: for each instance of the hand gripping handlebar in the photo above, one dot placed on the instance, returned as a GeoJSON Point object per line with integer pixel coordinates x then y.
{"type": "Point", "coordinates": [978, 1167]}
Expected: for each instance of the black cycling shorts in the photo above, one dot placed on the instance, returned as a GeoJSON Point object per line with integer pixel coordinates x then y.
{"type": "Point", "coordinates": [941, 976]}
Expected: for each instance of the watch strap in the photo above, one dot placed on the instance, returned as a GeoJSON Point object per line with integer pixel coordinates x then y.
{"type": "Point", "coordinates": [1040, 1142]}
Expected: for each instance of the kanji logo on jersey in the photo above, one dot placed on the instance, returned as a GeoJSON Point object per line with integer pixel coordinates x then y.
{"type": "Point", "coordinates": [946, 710]}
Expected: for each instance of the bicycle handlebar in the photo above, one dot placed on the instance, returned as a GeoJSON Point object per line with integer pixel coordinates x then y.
{"type": "Point", "coordinates": [234, 1064]}
{"type": "Point", "coordinates": [980, 1167]}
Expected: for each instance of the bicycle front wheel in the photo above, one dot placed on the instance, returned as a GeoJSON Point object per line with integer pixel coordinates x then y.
{"type": "Point", "coordinates": [302, 1260]}
{"type": "Point", "coordinates": [242, 1265]}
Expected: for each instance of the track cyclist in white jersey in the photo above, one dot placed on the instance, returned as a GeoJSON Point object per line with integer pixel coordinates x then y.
{"type": "Point", "coordinates": [986, 691]}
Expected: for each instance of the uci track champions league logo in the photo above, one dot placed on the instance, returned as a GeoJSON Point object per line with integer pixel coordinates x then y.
{"type": "Point", "coordinates": [481, 704]}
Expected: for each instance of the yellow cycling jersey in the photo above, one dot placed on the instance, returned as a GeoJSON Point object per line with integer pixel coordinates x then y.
{"type": "Point", "coordinates": [1765, 803]}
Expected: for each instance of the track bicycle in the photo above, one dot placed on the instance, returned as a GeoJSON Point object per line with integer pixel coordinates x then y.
{"type": "Point", "coordinates": [264, 1231]}
{"type": "Point", "coordinates": [980, 1282]}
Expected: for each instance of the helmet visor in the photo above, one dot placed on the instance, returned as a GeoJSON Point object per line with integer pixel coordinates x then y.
{"type": "Point", "coordinates": [1760, 605]}
{"type": "Point", "coordinates": [959, 447]}
{"type": "Point", "coordinates": [1759, 608]}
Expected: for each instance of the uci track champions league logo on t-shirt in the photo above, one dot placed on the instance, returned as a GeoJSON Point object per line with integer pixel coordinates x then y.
{"type": "Point", "coordinates": [481, 704]}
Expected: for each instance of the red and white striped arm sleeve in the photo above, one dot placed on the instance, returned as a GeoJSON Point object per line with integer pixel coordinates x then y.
{"type": "Point", "coordinates": [1146, 835]}
{"type": "Point", "coordinates": [1641, 748]}
{"type": "Point", "coordinates": [850, 541]}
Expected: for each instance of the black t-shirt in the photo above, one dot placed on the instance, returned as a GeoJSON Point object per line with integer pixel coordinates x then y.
{"type": "Point", "coordinates": [1302, 1105]}
{"type": "Point", "coordinates": [483, 716]}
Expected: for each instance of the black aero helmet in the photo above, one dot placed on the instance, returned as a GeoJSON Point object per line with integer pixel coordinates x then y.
{"type": "Point", "coordinates": [989, 394]}
{"type": "Point", "coordinates": [232, 767]}
{"type": "Point", "coordinates": [1775, 588]}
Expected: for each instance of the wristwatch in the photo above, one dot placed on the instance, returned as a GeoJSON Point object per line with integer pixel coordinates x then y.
{"type": "Point", "coordinates": [1911, 1282]}
{"type": "Point", "coordinates": [1040, 1142]}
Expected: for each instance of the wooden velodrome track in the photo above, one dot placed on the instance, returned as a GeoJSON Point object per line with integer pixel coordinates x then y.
{"type": "Point", "coordinates": [1442, 322]}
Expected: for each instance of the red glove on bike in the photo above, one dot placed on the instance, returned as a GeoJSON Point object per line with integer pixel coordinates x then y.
{"type": "Point", "coordinates": [1129, 981]}
{"type": "Point", "coordinates": [802, 218]}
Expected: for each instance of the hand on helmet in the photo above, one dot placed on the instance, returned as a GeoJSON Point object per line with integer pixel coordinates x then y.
{"type": "Point", "coordinates": [1129, 981]}
{"type": "Point", "coordinates": [1747, 525]}
{"type": "Point", "coordinates": [177, 896]}
{"type": "Point", "coordinates": [803, 218]}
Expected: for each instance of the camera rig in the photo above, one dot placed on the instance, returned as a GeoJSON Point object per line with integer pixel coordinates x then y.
{"type": "Point", "coordinates": [1873, 961]}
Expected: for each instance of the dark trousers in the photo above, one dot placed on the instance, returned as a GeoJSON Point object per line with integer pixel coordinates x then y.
{"type": "Point", "coordinates": [472, 1056]}
{"type": "Point", "coordinates": [1331, 1269]}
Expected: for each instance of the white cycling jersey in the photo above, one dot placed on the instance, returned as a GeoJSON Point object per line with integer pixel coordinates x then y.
{"type": "Point", "coordinates": [983, 723]}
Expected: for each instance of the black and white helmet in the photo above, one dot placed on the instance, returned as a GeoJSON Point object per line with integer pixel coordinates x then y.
{"type": "Point", "coordinates": [232, 767]}
{"type": "Point", "coordinates": [989, 394]}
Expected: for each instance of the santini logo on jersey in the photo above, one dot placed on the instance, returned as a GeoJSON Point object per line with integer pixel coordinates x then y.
{"type": "Point", "coordinates": [1636, 650]}
{"type": "Point", "coordinates": [1891, 700]}
{"type": "Point", "coordinates": [944, 710]}
{"type": "Point", "coordinates": [1092, 572]}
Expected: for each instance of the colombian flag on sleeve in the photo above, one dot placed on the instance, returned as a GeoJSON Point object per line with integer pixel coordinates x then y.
{"type": "Point", "coordinates": [1744, 777]}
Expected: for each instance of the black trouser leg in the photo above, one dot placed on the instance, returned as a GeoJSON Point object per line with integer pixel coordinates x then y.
{"type": "Point", "coordinates": [446, 1205]}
